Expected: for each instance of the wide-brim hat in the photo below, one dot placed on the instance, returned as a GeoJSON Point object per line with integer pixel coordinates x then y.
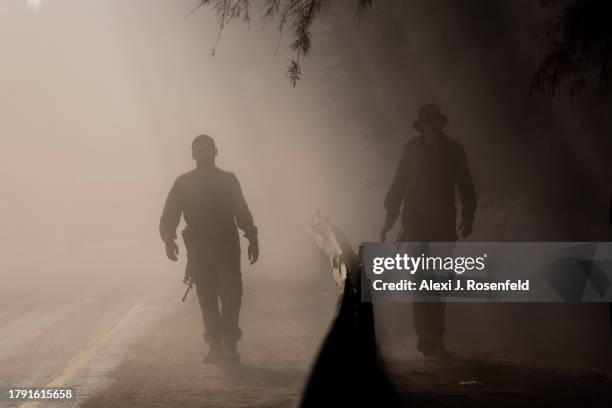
{"type": "Point", "coordinates": [432, 114]}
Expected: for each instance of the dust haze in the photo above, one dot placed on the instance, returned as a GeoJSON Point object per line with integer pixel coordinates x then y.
{"type": "Point", "coordinates": [102, 98]}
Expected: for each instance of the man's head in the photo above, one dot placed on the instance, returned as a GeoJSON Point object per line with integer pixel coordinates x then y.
{"type": "Point", "coordinates": [430, 121]}
{"type": "Point", "coordinates": [203, 150]}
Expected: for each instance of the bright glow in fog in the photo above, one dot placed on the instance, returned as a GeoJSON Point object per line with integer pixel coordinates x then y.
{"type": "Point", "coordinates": [104, 100]}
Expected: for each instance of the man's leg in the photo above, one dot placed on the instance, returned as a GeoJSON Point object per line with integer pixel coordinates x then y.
{"type": "Point", "coordinates": [208, 295]}
{"type": "Point", "coordinates": [429, 324]}
{"type": "Point", "coordinates": [429, 316]}
{"type": "Point", "coordinates": [230, 292]}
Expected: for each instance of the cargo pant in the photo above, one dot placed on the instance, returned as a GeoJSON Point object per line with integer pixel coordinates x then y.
{"type": "Point", "coordinates": [429, 316]}
{"type": "Point", "coordinates": [218, 283]}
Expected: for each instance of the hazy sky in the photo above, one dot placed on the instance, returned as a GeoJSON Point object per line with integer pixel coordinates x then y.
{"type": "Point", "coordinates": [102, 100]}
{"type": "Point", "coordinates": [103, 97]}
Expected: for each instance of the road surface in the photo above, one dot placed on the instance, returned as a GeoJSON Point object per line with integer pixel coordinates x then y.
{"type": "Point", "coordinates": [130, 344]}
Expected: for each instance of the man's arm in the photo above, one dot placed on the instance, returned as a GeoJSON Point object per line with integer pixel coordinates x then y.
{"type": "Point", "coordinates": [467, 193]}
{"type": "Point", "coordinates": [171, 216]}
{"type": "Point", "coordinates": [395, 195]}
{"type": "Point", "coordinates": [244, 220]}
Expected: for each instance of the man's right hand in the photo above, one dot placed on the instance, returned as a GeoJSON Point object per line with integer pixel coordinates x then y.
{"type": "Point", "coordinates": [383, 233]}
{"type": "Point", "coordinates": [172, 250]}
{"type": "Point", "coordinates": [465, 227]}
{"type": "Point", "coordinates": [389, 222]}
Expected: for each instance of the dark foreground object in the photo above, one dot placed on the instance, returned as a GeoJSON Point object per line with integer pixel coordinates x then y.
{"type": "Point", "coordinates": [347, 371]}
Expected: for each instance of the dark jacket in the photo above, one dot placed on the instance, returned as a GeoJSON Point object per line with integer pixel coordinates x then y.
{"type": "Point", "coordinates": [425, 182]}
{"type": "Point", "coordinates": [212, 205]}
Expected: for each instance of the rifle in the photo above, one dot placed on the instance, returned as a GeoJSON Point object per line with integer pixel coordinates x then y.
{"type": "Point", "coordinates": [187, 280]}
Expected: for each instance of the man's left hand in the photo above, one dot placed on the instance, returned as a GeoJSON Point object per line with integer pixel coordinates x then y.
{"type": "Point", "coordinates": [465, 227]}
{"type": "Point", "coordinates": [253, 250]}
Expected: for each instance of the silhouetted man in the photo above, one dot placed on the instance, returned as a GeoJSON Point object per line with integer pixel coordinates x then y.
{"type": "Point", "coordinates": [212, 205]}
{"type": "Point", "coordinates": [431, 165]}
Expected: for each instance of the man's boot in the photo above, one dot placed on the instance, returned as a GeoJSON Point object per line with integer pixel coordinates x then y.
{"type": "Point", "coordinates": [231, 351]}
{"type": "Point", "coordinates": [426, 345]}
{"type": "Point", "coordinates": [441, 350]}
{"type": "Point", "coordinates": [215, 352]}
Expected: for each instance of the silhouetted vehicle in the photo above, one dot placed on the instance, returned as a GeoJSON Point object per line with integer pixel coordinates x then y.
{"type": "Point", "coordinates": [347, 371]}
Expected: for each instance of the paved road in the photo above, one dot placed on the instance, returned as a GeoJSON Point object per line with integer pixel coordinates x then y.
{"type": "Point", "coordinates": [141, 346]}
{"type": "Point", "coordinates": [144, 347]}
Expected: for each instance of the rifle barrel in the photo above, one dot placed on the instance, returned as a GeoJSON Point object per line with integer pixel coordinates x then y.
{"type": "Point", "coordinates": [187, 291]}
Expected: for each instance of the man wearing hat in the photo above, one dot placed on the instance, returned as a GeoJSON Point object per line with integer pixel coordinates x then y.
{"type": "Point", "coordinates": [431, 165]}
